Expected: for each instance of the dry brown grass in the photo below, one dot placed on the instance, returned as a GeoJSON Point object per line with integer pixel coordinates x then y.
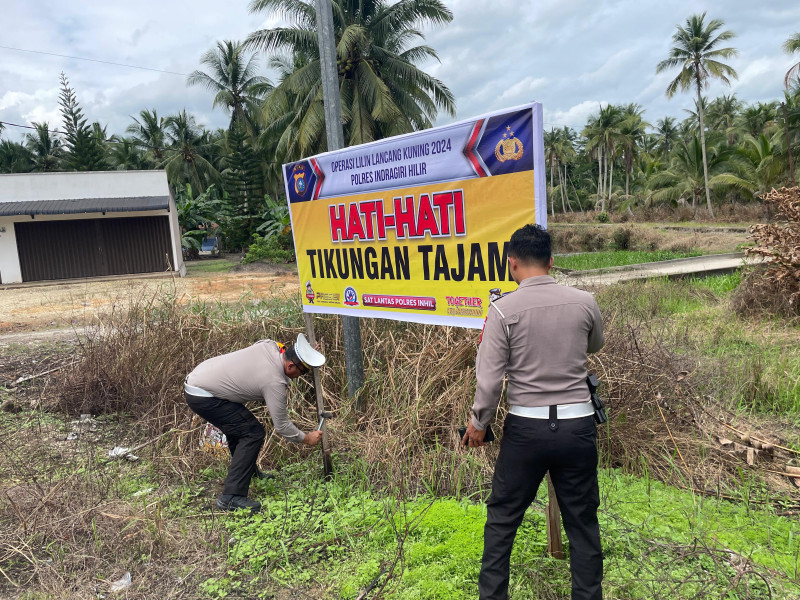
{"type": "Point", "coordinates": [751, 212]}
{"type": "Point", "coordinates": [594, 237]}
{"type": "Point", "coordinates": [64, 528]}
{"type": "Point", "coordinates": [419, 384]}
{"type": "Point", "coordinates": [66, 533]}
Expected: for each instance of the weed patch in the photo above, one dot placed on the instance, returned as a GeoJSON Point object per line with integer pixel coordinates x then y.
{"type": "Point", "coordinates": [600, 260]}
{"type": "Point", "coordinates": [659, 543]}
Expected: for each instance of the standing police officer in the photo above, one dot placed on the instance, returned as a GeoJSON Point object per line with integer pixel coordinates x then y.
{"type": "Point", "coordinates": [539, 337]}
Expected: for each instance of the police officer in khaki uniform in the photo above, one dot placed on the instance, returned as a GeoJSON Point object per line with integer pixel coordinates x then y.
{"type": "Point", "coordinates": [218, 388]}
{"type": "Point", "coordinates": [539, 336]}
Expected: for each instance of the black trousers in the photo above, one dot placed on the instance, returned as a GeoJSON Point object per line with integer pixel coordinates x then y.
{"type": "Point", "coordinates": [245, 437]}
{"type": "Point", "coordinates": [528, 450]}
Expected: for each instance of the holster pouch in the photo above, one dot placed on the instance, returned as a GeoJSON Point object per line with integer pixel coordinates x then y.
{"type": "Point", "coordinates": [593, 383]}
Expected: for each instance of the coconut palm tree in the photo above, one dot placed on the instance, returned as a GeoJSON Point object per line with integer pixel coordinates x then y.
{"type": "Point", "coordinates": [184, 158]}
{"type": "Point", "coordinates": [124, 154]}
{"type": "Point", "coordinates": [551, 152]}
{"type": "Point", "coordinates": [667, 133]}
{"type": "Point", "coordinates": [760, 165]}
{"type": "Point", "coordinates": [758, 118]}
{"type": "Point", "coordinates": [723, 115]}
{"type": "Point", "coordinates": [696, 52]}
{"type": "Point", "coordinates": [14, 157]}
{"type": "Point", "coordinates": [566, 155]}
{"type": "Point", "coordinates": [45, 149]}
{"type": "Point", "coordinates": [602, 133]}
{"type": "Point", "coordinates": [687, 173]}
{"type": "Point", "coordinates": [232, 76]}
{"type": "Point", "coordinates": [148, 133]}
{"type": "Point", "coordinates": [792, 46]}
{"type": "Point", "coordinates": [631, 134]}
{"type": "Point", "coordinates": [383, 92]}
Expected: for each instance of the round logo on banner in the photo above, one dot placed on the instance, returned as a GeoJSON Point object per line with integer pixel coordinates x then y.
{"type": "Point", "coordinates": [350, 296]}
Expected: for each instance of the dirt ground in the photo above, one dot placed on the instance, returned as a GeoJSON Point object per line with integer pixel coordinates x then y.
{"type": "Point", "coordinates": [75, 303]}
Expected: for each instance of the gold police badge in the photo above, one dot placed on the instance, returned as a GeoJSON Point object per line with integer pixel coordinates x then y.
{"type": "Point", "coordinates": [509, 148]}
{"type": "Point", "coordinates": [299, 175]}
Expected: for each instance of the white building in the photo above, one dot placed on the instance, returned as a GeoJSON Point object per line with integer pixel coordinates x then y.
{"type": "Point", "coordinates": [87, 224]}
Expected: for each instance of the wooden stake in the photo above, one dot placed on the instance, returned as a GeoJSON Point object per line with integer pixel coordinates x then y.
{"type": "Point", "coordinates": [327, 464]}
{"type": "Point", "coordinates": [555, 546]}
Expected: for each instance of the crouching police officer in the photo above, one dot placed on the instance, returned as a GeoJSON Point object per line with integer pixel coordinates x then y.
{"type": "Point", "coordinates": [218, 388]}
{"type": "Point", "coordinates": [539, 336]}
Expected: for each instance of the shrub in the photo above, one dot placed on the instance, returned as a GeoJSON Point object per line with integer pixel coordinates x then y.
{"type": "Point", "coordinates": [779, 246]}
{"type": "Point", "coordinates": [603, 217]}
{"type": "Point", "coordinates": [273, 248]}
{"type": "Point", "coordinates": [761, 294]}
{"type": "Point", "coordinates": [622, 238]}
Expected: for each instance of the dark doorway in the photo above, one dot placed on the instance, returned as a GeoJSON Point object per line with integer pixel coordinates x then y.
{"type": "Point", "coordinates": [93, 247]}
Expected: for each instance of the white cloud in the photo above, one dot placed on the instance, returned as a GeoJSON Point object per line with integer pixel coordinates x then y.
{"type": "Point", "coordinates": [523, 90]}
{"type": "Point", "coordinates": [563, 53]}
{"type": "Point", "coordinates": [574, 117]}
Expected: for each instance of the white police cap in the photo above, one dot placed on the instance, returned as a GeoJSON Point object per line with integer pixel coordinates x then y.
{"type": "Point", "coordinates": [307, 354]}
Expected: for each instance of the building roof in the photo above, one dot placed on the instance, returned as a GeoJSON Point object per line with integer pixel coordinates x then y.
{"type": "Point", "coordinates": [84, 205]}
{"type": "Point", "coordinates": [82, 185]}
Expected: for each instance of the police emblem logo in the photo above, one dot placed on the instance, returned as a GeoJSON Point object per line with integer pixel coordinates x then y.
{"type": "Point", "coordinates": [299, 173]}
{"type": "Point", "coordinates": [350, 296]}
{"type": "Point", "coordinates": [509, 148]}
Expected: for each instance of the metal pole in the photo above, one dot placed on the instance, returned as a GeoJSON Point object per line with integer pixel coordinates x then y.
{"type": "Point", "coordinates": [354, 361]}
{"type": "Point", "coordinates": [327, 464]}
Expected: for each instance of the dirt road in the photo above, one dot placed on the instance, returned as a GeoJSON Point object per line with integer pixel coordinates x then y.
{"type": "Point", "coordinates": [75, 303]}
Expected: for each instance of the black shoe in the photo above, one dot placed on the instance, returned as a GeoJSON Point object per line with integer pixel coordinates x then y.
{"type": "Point", "coordinates": [259, 474]}
{"type": "Point", "coordinates": [233, 502]}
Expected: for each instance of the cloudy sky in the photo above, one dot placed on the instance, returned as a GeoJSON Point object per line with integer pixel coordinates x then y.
{"type": "Point", "coordinates": [570, 55]}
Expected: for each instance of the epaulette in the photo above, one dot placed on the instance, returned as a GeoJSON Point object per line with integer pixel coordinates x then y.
{"type": "Point", "coordinates": [492, 304]}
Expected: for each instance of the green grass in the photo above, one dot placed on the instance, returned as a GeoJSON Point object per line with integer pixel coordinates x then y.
{"type": "Point", "coordinates": [337, 538]}
{"type": "Point", "coordinates": [616, 258]}
{"type": "Point", "coordinates": [210, 265]}
{"type": "Point", "coordinates": [751, 365]}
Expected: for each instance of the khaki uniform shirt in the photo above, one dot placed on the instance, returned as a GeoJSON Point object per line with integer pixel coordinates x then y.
{"type": "Point", "coordinates": [539, 337]}
{"type": "Point", "coordinates": [253, 373]}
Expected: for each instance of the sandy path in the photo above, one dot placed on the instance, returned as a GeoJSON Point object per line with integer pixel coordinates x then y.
{"type": "Point", "coordinates": [76, 303]}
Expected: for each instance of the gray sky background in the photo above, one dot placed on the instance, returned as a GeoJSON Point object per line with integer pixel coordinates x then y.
{"type": "Point", "coordinates": [570, 55]}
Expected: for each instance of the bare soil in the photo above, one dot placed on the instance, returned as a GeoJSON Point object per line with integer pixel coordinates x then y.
{"type": "Point", "coordinates": [74, 304]}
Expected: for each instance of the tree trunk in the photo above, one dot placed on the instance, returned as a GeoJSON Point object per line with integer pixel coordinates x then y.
{"type": "Point", "coordinates": [628, 169]}
{"type": "Point", "coordinates": [561, 188]}
{"type": "Point", "coordinates": [610, 182]}
{"type": "Point", "coordinates": [599, 174]}
{"type": "Point", "coordinates": [602, 182]}
{"type": "Point", "coordinates": [577, 197]}
{"type": "Point", "coordinates": [703, 146]}
{"type": "Point", "coordinates": [566, 189]}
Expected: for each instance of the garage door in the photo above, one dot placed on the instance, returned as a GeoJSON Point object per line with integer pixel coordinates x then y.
{"type": "Point", "coordinates": [92, 247]}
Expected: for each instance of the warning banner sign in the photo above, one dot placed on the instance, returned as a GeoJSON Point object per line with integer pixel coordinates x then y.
{"type": "Point", "coordinates": [416, 227]}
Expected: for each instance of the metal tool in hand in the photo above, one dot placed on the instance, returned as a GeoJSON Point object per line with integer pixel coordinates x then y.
{"type": "Point", "coordinates": [322, 416]}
